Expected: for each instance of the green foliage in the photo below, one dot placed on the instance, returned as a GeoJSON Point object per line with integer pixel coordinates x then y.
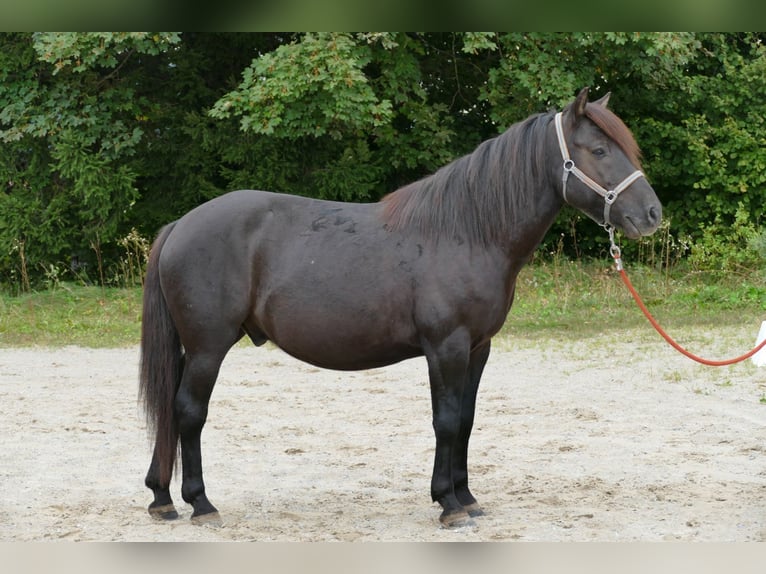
{"type": "Point", "coordinates": [312, 87]}
{"type": "Point", "coordinates": [71, 122]}
{"type": "Point", "coordinates": [542, 70]}
{"type": "Point", "coordinates": [84, 51]}
{"type": "Point", "coordinates": [353, 107]}
{"type": "Point", "coordinates": [105, 133]}
{"type": "Point", "coordinates": [704, 142]}
{"type": "Point", "coordinates": [729, 247]}
{"type": "Point", "coordinates": [83, 99]}
{"type": "Point", "coordinates": [99, 190]}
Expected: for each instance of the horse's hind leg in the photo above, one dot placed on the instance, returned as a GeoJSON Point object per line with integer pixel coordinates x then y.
{"type": "Point", "coordinates": [191, 406]}
{"type": "Point", "coordinates": [162, 508]}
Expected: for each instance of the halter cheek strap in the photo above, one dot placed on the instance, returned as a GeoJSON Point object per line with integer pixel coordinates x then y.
{"type": "Point", "coordinates": [610, 196]}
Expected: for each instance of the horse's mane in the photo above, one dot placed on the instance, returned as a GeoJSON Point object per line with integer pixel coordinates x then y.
{"type": "Point", "coordinates": [478, 196]}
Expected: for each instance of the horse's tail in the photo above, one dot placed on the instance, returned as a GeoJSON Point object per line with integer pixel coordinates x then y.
{"type": "Point", "coordinates": [161, 364]}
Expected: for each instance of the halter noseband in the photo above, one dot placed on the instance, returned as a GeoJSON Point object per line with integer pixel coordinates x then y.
{"type": "Point", "coordinates": [569, 167]}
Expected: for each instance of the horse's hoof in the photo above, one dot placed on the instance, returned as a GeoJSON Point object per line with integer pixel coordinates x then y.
{"type": "Point", "coordinates": [208, 519]}
{"type": "Point", "coordinates": [164, 512]}
{"type": "Point", "coordinates": [474, 510]}
{"type": "Point", "coordinates": [458, 519]}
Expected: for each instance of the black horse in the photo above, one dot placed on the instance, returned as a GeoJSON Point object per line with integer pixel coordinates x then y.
{"type": "Point", "coordinates": [429, 270]}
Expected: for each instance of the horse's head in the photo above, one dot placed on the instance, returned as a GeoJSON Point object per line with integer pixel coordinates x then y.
{"type": "Point", "coordinates": [601, 173]}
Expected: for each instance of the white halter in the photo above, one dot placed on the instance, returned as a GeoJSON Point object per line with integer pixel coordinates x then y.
{"type": "Point", "coordinates": [569, 166]}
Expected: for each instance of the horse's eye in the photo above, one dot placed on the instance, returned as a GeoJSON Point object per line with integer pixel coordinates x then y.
{"type": "Point", "coordinates": [599, 152]}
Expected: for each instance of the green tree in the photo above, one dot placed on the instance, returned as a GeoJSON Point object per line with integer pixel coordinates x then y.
{"type": "Point", "coordinates": [70, 117]}
{"type": "Point", "coordinates": [104, 132]}
{"type": "Point", "coordinates": [355, 107]}
{"type": "Point", "coordinates": [705, 140]}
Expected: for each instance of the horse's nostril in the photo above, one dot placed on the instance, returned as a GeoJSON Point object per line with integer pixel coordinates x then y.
{"type": "Point", "coordinates": [655, 214]}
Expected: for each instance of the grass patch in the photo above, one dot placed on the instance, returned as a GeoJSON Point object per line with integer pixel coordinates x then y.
{"type": "Point", "coordinates": [559, 298]}
{"type": "Point", "coordinates": [71, 315]}
{"type": "Point", "coordinates": [554, 299]}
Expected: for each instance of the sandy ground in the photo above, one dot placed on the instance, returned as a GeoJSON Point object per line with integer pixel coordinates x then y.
{"type": "Point", "coordinates": [613, 438]}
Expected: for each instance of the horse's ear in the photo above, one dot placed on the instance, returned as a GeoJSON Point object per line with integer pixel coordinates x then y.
{"type": "Point", "coordinates": [580, 102]}
{"type": "Point", "coordinates": [604, 100]}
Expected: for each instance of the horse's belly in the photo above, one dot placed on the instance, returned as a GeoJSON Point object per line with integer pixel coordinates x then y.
{"type": "Point", "coordinates": [336, 336]}
{"type": "Point", "coordinates": [350, 359]}
{"type": "Point", "coordinates": [349, 351]}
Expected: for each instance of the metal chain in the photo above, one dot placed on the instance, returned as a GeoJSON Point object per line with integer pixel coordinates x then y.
{"type": "Point", "coordinates": [614, 249]}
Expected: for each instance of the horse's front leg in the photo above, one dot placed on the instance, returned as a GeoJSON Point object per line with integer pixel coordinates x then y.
{"type": "Point", "coordinates": [476, 364]}
{"type": "Point", "coordinates": [447, 372]}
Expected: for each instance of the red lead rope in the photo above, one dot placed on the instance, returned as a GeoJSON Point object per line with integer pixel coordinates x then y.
{"type": "Point", "coordinates": [668, 338]}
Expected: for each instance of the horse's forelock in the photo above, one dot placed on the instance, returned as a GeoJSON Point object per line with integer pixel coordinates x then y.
{"type": "Point", "coordinates": [615, 129]}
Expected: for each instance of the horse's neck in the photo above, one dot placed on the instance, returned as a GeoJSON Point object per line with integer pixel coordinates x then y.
{"type": "Point", "coordinates": [528, 230]}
